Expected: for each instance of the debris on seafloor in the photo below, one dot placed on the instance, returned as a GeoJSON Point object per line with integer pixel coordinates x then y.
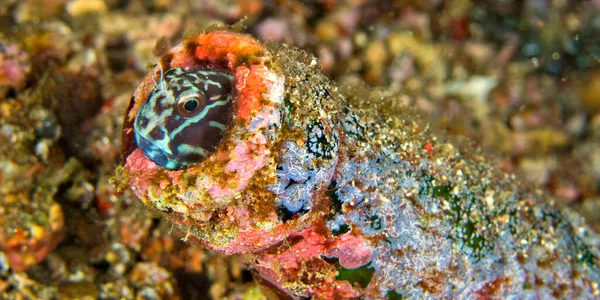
{"type": "Point", "coordinates": [253, 151]}
{"type": "Point", "coordinates": [29, 155]}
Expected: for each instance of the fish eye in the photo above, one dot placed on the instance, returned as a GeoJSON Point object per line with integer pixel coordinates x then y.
{"type": "Point", "coordinates": [191, 104]}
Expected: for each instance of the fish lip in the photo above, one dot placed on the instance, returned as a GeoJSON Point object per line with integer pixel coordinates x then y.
{"type": "Point", "coordinates": [156, 154]}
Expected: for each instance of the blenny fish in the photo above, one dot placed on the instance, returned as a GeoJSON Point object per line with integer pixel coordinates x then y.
{"type": "Point", "coordinates": [251, 150]}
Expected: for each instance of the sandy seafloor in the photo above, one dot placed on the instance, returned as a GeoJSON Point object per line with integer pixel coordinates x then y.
{"type": "Point", "coordinates": [518, 79]}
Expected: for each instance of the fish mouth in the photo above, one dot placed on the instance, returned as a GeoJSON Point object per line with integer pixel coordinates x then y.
{"type": "Point", "coordinates": [157, 154]}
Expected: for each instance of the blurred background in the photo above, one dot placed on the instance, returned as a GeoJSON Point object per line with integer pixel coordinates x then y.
{"type": "Point", "coordinates": [518, 79]}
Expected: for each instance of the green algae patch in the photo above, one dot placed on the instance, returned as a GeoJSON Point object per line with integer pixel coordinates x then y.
{"type": "Point", "coordinates": [361, 275]}
{"type": "Point", "coordinates": [442, 191]}
{"type": "Point", "coordinates": [462, 208]}
{"type": "Point", "coordinates": [393, 295]}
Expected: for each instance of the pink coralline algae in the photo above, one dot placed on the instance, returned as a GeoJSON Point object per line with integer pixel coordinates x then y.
{"type": "Point", "coordinates": [328, 195]}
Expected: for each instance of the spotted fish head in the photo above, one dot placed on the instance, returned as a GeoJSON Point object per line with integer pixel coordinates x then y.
{"type": "Point", "coordinates": [232, 139]}
{"type": "Point", "coordinates": [185, 117]}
